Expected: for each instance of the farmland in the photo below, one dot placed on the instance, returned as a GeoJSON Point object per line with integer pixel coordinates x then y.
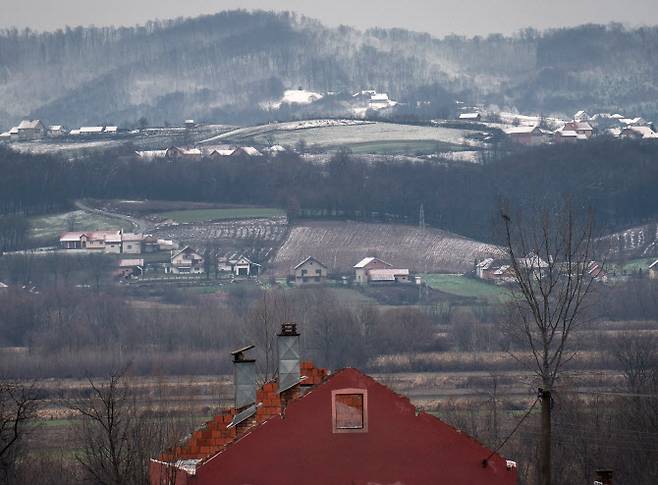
{"type": "Point", "coordinates": [361, 137]}
{"type": "Point", "coordinates": [463, 286]}
{"type": "Point", "coordinates": [340, 245]}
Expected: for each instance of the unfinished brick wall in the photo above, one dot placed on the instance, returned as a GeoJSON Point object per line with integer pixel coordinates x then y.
{"type": "Point", "coordinates": [214, 435]}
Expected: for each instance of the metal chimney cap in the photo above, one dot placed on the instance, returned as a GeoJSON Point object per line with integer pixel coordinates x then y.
{"type": "Point", "coordinates": [288, 329]}
{"type": "Point", "coordinates": [238, 355]}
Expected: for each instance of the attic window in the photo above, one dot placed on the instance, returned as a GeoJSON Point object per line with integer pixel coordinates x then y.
{"type": "Point", "coordinates": [350, 410]}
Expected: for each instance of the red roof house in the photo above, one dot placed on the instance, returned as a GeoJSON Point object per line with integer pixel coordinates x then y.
{"type": "Point", "coordinates": [343, 428]}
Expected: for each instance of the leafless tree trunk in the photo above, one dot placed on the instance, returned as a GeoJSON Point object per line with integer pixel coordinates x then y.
{"type": "Point", "coordinates": [18, 405]}
{"type": "Point", "coordinates": [549, 260]}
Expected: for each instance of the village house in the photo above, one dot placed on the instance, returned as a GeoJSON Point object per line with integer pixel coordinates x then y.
{"type": "Point", "coordinates": [470, 117]}
{"type": "Point", "coordinates": [89, 131]}
{"type": "Point", "coordinates": [113, 242]}
{"type": "Point", "coordinates": [568, 136]}
{"type": "Point", "coordinates": [527, 135]}
{"type": "Point", "coordinates": [379, 101]}
{"type": "Point", "coordinates": [56, 131]}
{"type": "Point", "coordinates": [246, 152]}
{"type": "Point", "coordinates": [496, 270]}
{"type": "Point", "coordinates": [580, 127]}
{"type": "Point", "coordinates": [186, 261]}
{"type": "Point", "coordinates": [128, 268]}
{"type": "Point", "coordinates": [374, 270]}
{"type": "Point", "coordinates": [30, 130]}
{"type": "Point", "coordinates": [653, 270]}
{"type": "Point", "coordinates": [242, 266]}
{"type": "Point", "coordinates": [308, 425]}
{"type": "Point", "coordinates": [309, 271]}
{"type": "Point", "coordinates": [638, 133]}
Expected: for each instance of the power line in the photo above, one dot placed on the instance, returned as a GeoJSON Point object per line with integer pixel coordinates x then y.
{"type": "Point", "coordinates": [484, 462]}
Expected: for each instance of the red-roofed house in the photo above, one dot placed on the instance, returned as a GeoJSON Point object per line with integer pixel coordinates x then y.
{"type": "Point", "coordinates": [343, 428]}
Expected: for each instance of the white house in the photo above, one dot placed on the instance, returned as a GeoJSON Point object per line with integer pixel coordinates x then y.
{"type": "Point", "coordinates": [186, 261]}
{"type": "Point", "coordinates": [30, 130]}
{"type": "Point", "coordinates": [470, 116]}
{"type": "Point", "coordinates": [310, 271]}
{"type": "Point", "coordinates": [374, 270]}
{"type": "Point", "coordinates": [243, 266]}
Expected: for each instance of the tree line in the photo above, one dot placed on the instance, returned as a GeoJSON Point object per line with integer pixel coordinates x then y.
{"type": "Point", "coordinates": [616, 179]}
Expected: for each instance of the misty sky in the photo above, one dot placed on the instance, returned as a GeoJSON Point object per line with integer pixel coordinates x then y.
{"type": "Point", "coordinates": [439, 17]}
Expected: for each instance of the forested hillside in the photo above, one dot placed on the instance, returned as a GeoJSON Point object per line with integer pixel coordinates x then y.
{"type": "Point", "coordinates": [221, 67]}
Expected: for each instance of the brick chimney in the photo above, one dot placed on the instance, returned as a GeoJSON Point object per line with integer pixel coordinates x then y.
{"type": "Point", "coordinates": [244, 378]}
{"type": "Point", "coordinates": [288, 347]}
{"type": "Point", "coordinates": [603, 477]}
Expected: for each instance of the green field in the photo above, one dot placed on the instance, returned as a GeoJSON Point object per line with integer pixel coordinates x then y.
{"type": "Point", "coordinates": [631, 266]}
{"type": "Point", "coordinates": [462, 286]}
{"type": "Point", "coordinates": [201, 215]}
{"type": "Point", "coordinates": [48, 228]}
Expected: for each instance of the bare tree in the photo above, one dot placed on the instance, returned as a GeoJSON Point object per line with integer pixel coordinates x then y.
{"type": "Point", "coordinates": [549, 259]}
{"type": "Point", "coordinates": [117, 435]}
{"type": "Point", "coordinates": [18, 405]}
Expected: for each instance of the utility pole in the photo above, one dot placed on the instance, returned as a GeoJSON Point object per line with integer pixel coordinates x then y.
{"type": "Point", "coordinates": [545, 444]}
{"type": "Point", "coordinates": [421, 218]}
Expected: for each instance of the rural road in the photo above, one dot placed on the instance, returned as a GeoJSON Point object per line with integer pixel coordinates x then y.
{"type": "Point", "coordinates": [139, 225]}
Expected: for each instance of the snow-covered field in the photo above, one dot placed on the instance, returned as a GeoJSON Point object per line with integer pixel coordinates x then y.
{"type": "Point", "coordinates": [340, 245]}
{"type": "Point", "coordinates": [329, 133]}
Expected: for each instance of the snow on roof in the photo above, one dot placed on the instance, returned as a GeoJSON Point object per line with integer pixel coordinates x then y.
{"type": "Point", "coordinates": [29, 125]}
{"type": "Point", "coordinates": [617, 116]}
{"type": "Point", "coordinates": [654, 264]}
{"type": "Point", "coordinates": [645, 131]}
{"type": "Point", "coordinates": [567, 133]}
{"type": "Point", "coordinates": [70, 236]}
{"type": "Point", "coordinates": [3, 285]}
{"type": "Point", "coordinates": [298, 96]}
{"type": "Point", "coordinates": [55, 127]}
{"type": "Point", "coordinates": [129, 263]}
{"type": "Point", "coordinates": [485, 263]}
{"type": "Point", "coordinates": [581, 115]}
{"type": "Point", "coordinates": [5, 134]}
{"type": "Point", "coordinates": [521, 130]}
{"type": "Point", "coordinates": [469, 116]}
{"type": "Point", "coordinates": [379, 97]}
{"type": "Point", "coordinates": [111, 129]}
{"type": "Point", "coordinates": [74, 132]}
{"type": "Point", "coordinates": [151, 153]}
{"type": "Point", "coordinates": [276, 148]}
{"type": "Point", "coordinates": [251, 151]}
{"type": "Point", "coordinates": [90, 129]}
{"type": "Point", "coordinates": [366, 261]}
{"type": "Point", "coordinates": [14, 130]}
{"type": "Point", "coordinates": [224, 152]}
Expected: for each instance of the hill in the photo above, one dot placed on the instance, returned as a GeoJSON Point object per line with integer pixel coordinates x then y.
{"type": "Point", "coordinates": [236, 66]}
{"type": "Point", "coordinates": [340, 245]}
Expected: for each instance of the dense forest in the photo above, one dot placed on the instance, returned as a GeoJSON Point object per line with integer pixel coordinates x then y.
{"type": "Point", "coordinates": [616, 179]}
{"type": "Point", "coordinates": [221, 67]}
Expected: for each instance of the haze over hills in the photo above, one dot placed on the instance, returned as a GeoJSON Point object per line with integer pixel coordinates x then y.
{"type": "Point", "coordinates": [225, 67]}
